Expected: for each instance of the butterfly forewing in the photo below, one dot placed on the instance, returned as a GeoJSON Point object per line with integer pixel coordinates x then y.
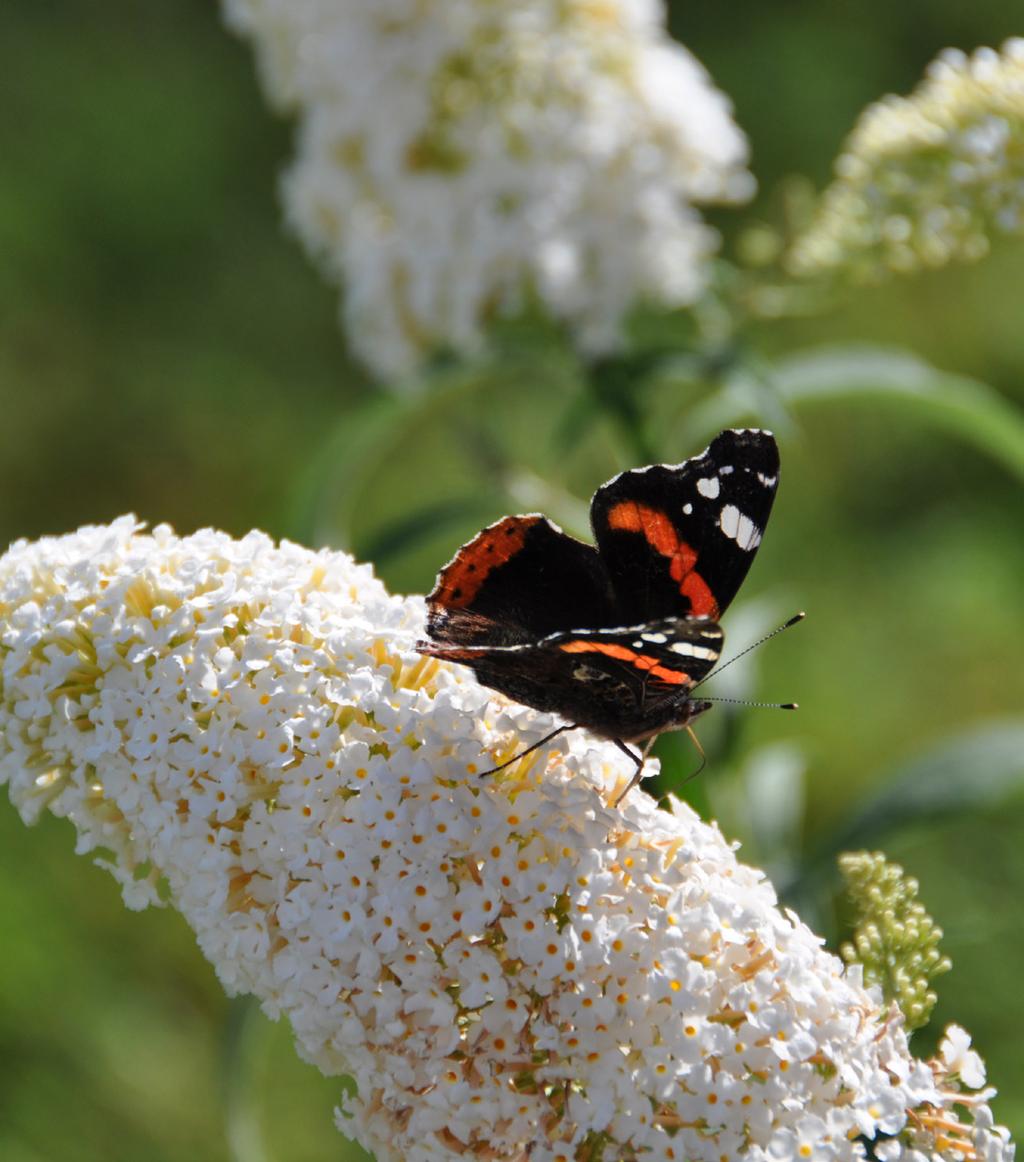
{"type": "Point", "coordinates": [677, 540]}
{"type": "Point", "coordinates": [517, 580]}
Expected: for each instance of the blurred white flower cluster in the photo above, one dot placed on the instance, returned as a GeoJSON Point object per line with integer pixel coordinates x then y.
{"type": "Point", "coordinates": [459, 158]}
{"type": "Point", "coordinates": [928, 178]}
{"type": "Point", "coordinates": [506, 967]}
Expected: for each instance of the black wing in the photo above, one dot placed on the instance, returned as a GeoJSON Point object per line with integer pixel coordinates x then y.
{"type": "Point", "coordinates": [625, 682]}
{"type": "Point", "coordinates": [677, 540]}
{"type": "Point", "coordinates": [516, 581]}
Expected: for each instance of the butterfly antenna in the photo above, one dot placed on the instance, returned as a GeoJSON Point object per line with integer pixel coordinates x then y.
{"type": "Point", "coordinates": [743, 653]}
{"type": "Point", "coordinates": [529, 750]}
{"type": "Point", "coordinates": [762, 705]}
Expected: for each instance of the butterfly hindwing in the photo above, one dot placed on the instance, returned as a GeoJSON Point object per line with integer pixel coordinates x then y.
{"type": "Point", "coordinates": [677, 540]}
{"type": "Point", "coordinates": [622, 682]}
{"type": "Point", "coordinates": [668, 656]}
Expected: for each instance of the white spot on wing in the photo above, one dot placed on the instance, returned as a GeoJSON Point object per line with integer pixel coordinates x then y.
{"type": "Point", "coordinates": [725, 470]}
{"type": "Point", "coordinates": [708, 486]}
{"type": "Point", "coordinates": [729, 520]}
{"type": "Point", "coordinates": [689, 650]}
{"type": "Point", "coordinates": [687, 508]}
{"type": "Point", "coordinates": [738, 527]}
{"type": "Point", "coordinates": [767, 481]}
{"type": "Point", "coordinates": [655, 638]}
{"type": "Point", "coordinates": [749, 535]}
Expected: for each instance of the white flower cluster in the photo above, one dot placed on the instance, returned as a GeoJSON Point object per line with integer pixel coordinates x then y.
{"type": "Point", "coordinates": [505, 966]}
{"type": "Point", "coordinates": [928, 178]}
{"type": "Point", "coordinates": [458, 158]}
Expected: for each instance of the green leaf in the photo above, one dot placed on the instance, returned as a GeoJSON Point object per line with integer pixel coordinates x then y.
{"type": "Point", "coordinates": [977, 771]}
{"type": "Point", "coordinates": [973, 772]}
{"type": "Point", "coordinates": [324, 497]}
{"type": "Point", "coordinates": [409, 531]}
{"type": "Point", "coordinates": [327, 496]}
{"type": "Point", "coordinates": [749, 394]}
{"type": "Point", "coordinates": [898, 379]}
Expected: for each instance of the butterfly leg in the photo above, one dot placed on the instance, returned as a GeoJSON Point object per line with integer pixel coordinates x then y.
{"type": "Point", "coordinates": [639, 760]}
{"type": "Point", "coordinates": [530, 749]}
{"type": "Point", "coordinates": [700, 751]}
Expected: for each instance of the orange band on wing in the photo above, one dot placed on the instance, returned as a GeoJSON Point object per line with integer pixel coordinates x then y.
{"type": "Point", "coordinates": [702, 600]}
{"type": "Point", "coordinates": [660, 533]}
{"type": "Point", "coordinates": [642, 662]}
{"type": "Point", "coordinates": [460, 582]}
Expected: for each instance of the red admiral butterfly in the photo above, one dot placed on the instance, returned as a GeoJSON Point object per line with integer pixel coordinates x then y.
{"type": "Point", "coordinates": [613, 638]}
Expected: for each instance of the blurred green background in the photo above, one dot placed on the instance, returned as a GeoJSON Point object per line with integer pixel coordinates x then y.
{"type": "Point", "coordinates": [166, 349]}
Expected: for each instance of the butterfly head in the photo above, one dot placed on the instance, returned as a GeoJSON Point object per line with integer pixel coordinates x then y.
{"type": "Point", "coordinates": [688, 711]}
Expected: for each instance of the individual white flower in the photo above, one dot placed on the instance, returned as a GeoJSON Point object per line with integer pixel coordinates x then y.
{"type": "Point", "coordinates": [458, 158]}
{"type": "Point", "coordinates": [506, 967]}
{"type": "Point", "coordinates": [928, 178]}
{"type": "Point", "coordinates": [960, 1060]}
